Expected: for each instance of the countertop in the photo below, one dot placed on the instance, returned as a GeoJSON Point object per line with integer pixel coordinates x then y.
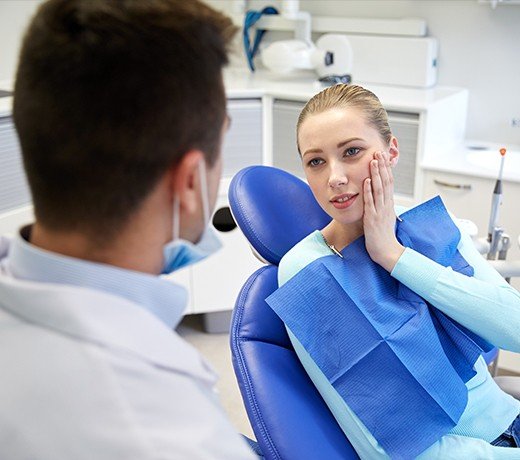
{"type": "Point", "coordinates": [478, 159]}
{"type": "Point", "coordinates": [240, 83]}
{"type": "Point", "coordinates": [6, 103]}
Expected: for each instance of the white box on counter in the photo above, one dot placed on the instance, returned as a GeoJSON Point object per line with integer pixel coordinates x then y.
{"type": "Point", "coordinates": [401, 61]}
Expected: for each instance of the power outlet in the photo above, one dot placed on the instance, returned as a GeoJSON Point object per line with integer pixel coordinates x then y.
{"type": "Point", "coordinates": [515, 122]}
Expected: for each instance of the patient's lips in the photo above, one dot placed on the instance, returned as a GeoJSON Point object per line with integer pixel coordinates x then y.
{"type": "Point", "coordinates": [343, 201]}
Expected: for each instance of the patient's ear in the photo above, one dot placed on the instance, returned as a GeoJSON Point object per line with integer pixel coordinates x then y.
{"type": "Point", "coordinates": [393, 151]}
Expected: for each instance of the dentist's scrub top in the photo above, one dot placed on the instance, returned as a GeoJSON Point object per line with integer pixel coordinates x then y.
{"type": "Point", "coordinates": [484, 303]}
{"type": "Point", "coordinates": [90, 370]}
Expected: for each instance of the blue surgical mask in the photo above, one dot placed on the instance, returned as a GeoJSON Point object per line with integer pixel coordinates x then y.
{"type": "Point", "coordinates": [179, 252]}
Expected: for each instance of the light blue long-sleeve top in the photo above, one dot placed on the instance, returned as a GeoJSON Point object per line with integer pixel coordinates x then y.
{"type": "Point", "coordinates": [484, 303]}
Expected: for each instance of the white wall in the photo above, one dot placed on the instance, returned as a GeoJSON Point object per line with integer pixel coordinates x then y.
{"type": "Point", "coordinates": [479, 49]}
{"type": "Point", "coordinates": [14, 18]}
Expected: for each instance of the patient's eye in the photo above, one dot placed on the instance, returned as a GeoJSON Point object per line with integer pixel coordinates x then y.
{"type": "Point", "coordinates": [351, 151]}
{"type": "Point", "coordinates": [315, 162]}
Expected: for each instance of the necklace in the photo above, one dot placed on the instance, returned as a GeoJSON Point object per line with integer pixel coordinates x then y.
{"type": "Point", "coordinates": [331, 246]}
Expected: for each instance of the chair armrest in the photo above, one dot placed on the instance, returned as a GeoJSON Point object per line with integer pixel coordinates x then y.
{"type": "Point", "coordinates": [509, 384]}
{"type": "Point", "coordinates": [507, 268]}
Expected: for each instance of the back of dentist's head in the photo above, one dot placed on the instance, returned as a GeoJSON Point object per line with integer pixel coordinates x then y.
{"type": "Point", "coordinates": [108, 96]}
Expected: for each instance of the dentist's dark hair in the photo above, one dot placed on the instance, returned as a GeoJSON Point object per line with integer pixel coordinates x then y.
{"type": "Point", "coordinates": [343, 96]}
{"type": "Point", "coordinates": [111, 93]}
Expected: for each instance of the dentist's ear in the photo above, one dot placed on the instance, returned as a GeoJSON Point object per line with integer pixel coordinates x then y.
{"type": "Point", "coordinates": [393, 151]}
{"type": "Point", "coordinates": [185, 180]}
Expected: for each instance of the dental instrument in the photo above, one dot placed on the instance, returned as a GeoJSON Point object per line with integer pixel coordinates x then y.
{"type": "Point", "coordinates": [495, 233]}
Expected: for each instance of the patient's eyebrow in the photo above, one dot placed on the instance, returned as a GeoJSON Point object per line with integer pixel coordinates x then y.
{"type": "Point", "coordinates": [312, 151]}
{"type": "Point", "coordinates": [341, 144]}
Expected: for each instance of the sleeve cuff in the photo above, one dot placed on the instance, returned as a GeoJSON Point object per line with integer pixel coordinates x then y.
{"type": "Point", "coordinates": [417, 272]}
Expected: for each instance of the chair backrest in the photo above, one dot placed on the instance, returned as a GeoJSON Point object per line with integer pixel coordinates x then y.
{"type": "Point", "coordinates": [290, 420]}
{"type": "Point", "coordinates": [274, 210]}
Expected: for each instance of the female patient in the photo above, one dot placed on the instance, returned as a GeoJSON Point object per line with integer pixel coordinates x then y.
{"type": "Point", "coordinates": [348, 152]}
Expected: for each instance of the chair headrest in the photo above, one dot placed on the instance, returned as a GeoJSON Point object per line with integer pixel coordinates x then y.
{"type": "Point", "coordinates": [274, 210]}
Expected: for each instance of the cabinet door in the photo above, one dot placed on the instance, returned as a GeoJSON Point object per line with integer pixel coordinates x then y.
{"type": "Point", "coordinates": [243, 141]}
{"type": "Point", "coordinates": [218, 279]}
{"type": "Point", "coordinates": [285, 152]}
{"type": "Point", "coordinates": [405, 127]}
{"type": "Point", "coordinates": [470, 198]}
{"type": "Point", "coordinates": [15, 198]}
{"type": "Point", "coordinates": [14, 191]}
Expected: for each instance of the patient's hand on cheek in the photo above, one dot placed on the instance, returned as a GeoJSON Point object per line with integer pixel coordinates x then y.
{"type": "Point", "coordinates": [379, 215]}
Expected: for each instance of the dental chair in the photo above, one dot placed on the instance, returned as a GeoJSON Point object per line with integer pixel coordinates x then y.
{"type": "Point", "coordinates": [275, 210]}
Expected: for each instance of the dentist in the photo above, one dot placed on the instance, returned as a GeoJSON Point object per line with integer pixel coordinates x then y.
{"type": "Point", "coordinates": [120, 110]}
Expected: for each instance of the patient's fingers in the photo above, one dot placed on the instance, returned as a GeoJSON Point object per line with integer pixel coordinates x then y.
{"type": "Point", "coordinates": [377, 184]}
{"type": "Point", "coordinates": [383, 169]}
{"type": "Point", "coordinates": [368, 198]}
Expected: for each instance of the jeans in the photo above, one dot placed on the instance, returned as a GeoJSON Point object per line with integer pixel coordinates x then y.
{"type": "Point", "coordinates": [510, 437]}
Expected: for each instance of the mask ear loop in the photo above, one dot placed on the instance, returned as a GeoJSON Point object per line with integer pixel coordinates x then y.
{"type": "Point", "coordinates": [176, 217]}
{"type": "Point", "coordinates": [204, 190]}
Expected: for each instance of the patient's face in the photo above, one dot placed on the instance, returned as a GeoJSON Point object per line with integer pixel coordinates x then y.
{"type": "Point", "coordinates": [337, 147]}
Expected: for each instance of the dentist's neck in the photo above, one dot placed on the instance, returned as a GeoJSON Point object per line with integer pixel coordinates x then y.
{"type": "Point", "coordinates": [138, 246]}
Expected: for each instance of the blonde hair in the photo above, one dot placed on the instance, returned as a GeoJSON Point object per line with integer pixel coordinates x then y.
{"type": "Point", "coordinates": [344, 96]}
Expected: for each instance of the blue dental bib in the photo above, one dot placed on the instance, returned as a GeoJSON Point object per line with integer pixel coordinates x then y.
{"type": "Point", "coordinates": [399, 363]}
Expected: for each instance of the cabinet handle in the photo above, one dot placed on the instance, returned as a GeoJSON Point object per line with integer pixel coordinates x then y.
{"type": "Point", "coordinates": [456, 186]}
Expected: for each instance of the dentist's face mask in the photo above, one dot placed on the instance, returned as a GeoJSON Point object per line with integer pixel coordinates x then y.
{"type": "Point", "coordinates": [180, 253]}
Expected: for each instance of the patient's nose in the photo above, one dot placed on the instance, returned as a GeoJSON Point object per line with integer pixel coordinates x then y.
{"type": "Point", "coordinates": [337, 177]}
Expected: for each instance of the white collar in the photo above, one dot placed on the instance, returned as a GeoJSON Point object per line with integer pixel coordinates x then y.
{"type": "Point", "coordinates": [161, 297]}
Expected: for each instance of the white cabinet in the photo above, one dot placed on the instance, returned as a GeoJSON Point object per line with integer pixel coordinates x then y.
{"type": "Point", "coordinates": [216, 282]}
{"type": "Point", "coordinates": [243, 141]}
{"type": "Point", "coordinates": [462, 195]}
{"type": "Point", "coordinates": [14, 191]}
{"type": "Point", "coordinates": [284, 119]}
{"type": "Point", "coordinates": [15, 198]}
{"type": "Point", "coordinates": [218, 279]}
{"type": "Point", "coordinates": [405, 127]}
{"type": "Point", "coordinates": [213, 284]}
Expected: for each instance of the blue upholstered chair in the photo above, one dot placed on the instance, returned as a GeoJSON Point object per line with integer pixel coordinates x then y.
{"type": "Point", "coordinates": [290, 420]}
{"type": "Point", "coordinates": [275, 210]}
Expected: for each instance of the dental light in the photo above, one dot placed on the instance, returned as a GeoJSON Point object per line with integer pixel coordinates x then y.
{"type": "Point", "coordinates": [330, 57]}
